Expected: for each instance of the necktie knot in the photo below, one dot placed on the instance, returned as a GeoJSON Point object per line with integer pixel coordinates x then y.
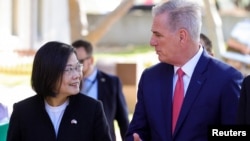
{"type": "Point", "coordinates": [180, 72]}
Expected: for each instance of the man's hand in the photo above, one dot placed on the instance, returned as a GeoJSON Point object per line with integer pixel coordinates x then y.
{"type": "Point", "coordinates": [136, 137]}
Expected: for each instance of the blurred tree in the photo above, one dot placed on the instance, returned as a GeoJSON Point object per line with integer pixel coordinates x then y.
{"type": "Point", "coordinates": [75, 22]}
{"type": "Point", "coordinates": [214, 23]}
{"type": "Point", "coordinates": [102, 26]}
{"type": "Point", "coordinates": [244, 4]}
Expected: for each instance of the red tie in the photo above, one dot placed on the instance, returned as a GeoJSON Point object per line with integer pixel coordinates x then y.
{"type": "Point", "coordinates": [178, 98]}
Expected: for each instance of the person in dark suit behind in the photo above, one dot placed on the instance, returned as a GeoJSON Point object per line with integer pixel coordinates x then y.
{"type": "Point", "coordinates": [244, 106]}
{"type": "Point", "coordinates": [209, 89]}
{"type": "Point", "coordinates": [57, 112]}
{"type": "Point", "coordinates": [104, 87]}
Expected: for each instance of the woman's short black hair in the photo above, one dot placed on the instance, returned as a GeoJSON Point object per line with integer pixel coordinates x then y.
{"type": "Point", "coordinates": [48, 67]}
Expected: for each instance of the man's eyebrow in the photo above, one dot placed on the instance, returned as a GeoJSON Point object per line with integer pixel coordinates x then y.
{"type": "Point", "coordinates": [155, 32]}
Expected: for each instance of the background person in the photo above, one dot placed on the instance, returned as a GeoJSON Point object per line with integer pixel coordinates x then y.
{"type": "Point", "coordinates": [206, 43]}
{"type": "Point", "coordinates": [188, 90]}
{"type": "Point", "coordinates": [104, 87]}
{"type": "Point", "coordinates": [4, 114]}
{"type": "Point", "coordinates": [57, 112]}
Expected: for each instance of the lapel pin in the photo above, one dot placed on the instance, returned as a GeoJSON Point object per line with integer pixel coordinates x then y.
{"type": "Point", "coordinates": [103, 79]}
{"type": "Point", "coordinates": [73, 121]}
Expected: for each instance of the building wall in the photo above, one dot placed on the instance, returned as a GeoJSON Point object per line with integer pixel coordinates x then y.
{"type": "Point", "coordinates": [26, 24]}
{"type": "Point", "coordinates": [134, 28]}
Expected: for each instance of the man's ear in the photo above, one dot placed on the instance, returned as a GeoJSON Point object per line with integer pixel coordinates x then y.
{"type": "Point", "coordinates": [92, 60]}
{"type": "Point", "coordinates": [183, 35]}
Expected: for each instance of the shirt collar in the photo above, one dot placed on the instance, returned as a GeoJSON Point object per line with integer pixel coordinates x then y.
{"type": "Point", "coordinates": [92, 76]}
{"type": "Point", "coordinates": [188, 68]}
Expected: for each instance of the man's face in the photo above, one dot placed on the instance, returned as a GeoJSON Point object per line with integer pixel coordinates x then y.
{"type": "Point", "coordinates": [165, 40]}
{"type": "Point", "coordinates": [85, 59]}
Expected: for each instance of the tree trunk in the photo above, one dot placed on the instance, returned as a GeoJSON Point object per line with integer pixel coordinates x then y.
{"type": "Point", "coordinates": [103, 26]}
{"type": "Point", "coordinates": [74, 17]}
{"type": "Point", "coordinates": [213, 23]}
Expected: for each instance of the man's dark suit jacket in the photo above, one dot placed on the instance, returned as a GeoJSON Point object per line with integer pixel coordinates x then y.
{"type": "Point", "coordinates": [114, 103]}
{"type": "Point", "coordinates": [244, 104]}
{"type": "Point", "coordinates": [83, 120]}
{"type": "Point", "coordinates": [211, 99]}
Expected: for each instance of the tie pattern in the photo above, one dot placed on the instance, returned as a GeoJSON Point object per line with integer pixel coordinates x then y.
{"type": "Point", "coordinates": [178, 98]}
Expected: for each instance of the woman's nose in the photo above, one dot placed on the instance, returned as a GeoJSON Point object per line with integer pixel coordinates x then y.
{"type": "Point", "coordinates": [77, 74]}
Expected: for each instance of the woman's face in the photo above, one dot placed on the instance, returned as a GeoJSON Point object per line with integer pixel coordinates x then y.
{"type": "Point", "coordinates": [71, 77]}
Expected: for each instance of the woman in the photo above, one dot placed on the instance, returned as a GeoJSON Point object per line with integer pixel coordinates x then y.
{"type": "Point", "coordinates": [57, 112]}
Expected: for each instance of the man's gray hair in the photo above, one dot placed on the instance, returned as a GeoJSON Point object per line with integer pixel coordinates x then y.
{"type": "Point", "coordinates": [181, 14]}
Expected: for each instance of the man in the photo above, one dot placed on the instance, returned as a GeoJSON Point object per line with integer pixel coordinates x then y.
{"type": "Point", "coordinates": [104, 87]}
{"type": "Point", "coordinates": [207, 90]}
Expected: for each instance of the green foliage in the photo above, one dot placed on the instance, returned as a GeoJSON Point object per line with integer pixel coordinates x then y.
{"type": "Point", "coordinates": [125, 51]}
{"type": "Point", "coordinates": [19, 74]}
{"type": "Point", "coordinates": [12, 80]}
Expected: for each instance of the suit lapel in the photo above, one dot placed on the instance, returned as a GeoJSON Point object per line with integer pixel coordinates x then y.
{"type": "Point", "coordinates": [69, 120]}
{"type": "Point", "coordinates": [101, 81]}
{"type": "Point", "coordinates": [197, 80]}
{"type": "Point", "coordinates": [43, 116]}
{"type": "Point", "coordinates": [166, 81]}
